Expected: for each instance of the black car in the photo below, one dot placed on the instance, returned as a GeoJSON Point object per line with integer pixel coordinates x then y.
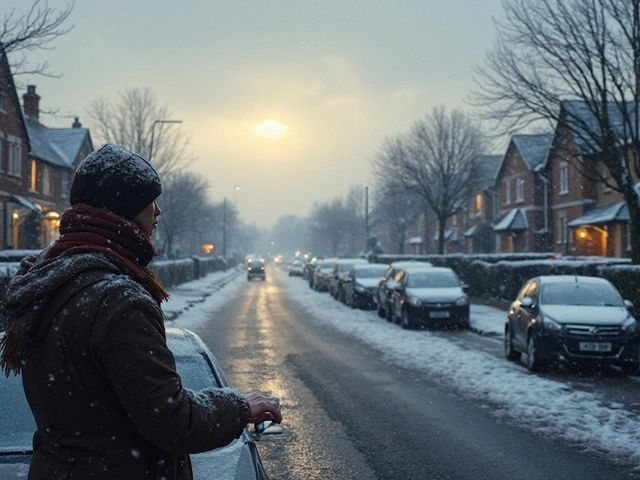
{"type": "Point", "coordinates": [339, 274]}
{"type": "Point", "coordinates": [361, 283]}
{"type": "Point", "coordinates": [572, 319]}
{"type": "Point", "coordinates": [429, 296]}
{"type": "Point", "coordinates": [387, 283]}
{"type": "Point", "coordinates": [198, 368]}
{"type": "Point", "coordinates": [256, 268]}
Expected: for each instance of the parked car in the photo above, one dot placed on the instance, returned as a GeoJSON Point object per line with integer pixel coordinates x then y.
{"type": "Point", "coordinates": [387, 283]}
{"type": "Point", "coordinates": [361, 283]}
{"type": "Point", "coordinates": [572, 319]}
{"type": "Point", "coordinates": [322, 273]}
{"type": "Point", "coordinates": [256, 268]}
{"type": "Point", "coordinates": [339, 274]}
{"type": "Point", "coordinates": [295, 269]}
{"type": "Point", "coordinates": [308, 267]}
{"type": "Point", "coordinates": [429, 296]}
{"type": "Point", "coordinates": [198, 368]}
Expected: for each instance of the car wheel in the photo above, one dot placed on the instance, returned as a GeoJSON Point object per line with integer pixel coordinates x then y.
{"type": "Point", "coordinates": [534, 362]}
{"type": "Point", "coordinates": [406, 324]}
{"type": "Point", "coordinates": [632, 368]}
{"type": "Point", "coordinates": [509, 352]}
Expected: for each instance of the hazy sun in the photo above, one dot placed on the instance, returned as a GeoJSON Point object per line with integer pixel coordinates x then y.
{"type": "Point", "coordinates": [271, 128]}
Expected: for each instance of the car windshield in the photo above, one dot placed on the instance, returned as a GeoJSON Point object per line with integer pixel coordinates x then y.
{"type": "Point", "coordinates": [371, 272]}
{"type": "Point", "coordinates": [256, 264]}
{"type": "Point", "coordinates": [600, 294]}
{"type": "Point", "coordinates": [432, 280]}
{"type": "Point", "coordinates": [16, 422]}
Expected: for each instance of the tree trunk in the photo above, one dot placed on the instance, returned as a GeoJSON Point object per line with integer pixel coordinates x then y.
{"type": "Point", "coordinates": [442, 222]}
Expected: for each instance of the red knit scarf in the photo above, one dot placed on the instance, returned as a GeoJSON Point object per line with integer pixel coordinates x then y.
{"type": "Point", "coordinates": [86, 229]}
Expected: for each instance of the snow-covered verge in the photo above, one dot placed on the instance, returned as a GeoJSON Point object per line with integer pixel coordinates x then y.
{"type": "Point", "coordinates": [544, 405]}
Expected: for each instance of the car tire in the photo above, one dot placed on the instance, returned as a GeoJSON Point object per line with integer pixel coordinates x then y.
{"type": "Point", "coordinates": [534, 362]}
{"type": "Point", "coordinates": [381, 312]}
{"type": "Point", "coordinates": [404, 320]}
{"type": "Point", "coordinates": [509, 352]}
{"type": "Point", "coordinates": [631, 369]}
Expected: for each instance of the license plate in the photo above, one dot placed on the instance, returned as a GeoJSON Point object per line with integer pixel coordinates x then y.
{"type": "Point", "coordinates": [594, 347]}
{"type": "Point", "coordinates": [442, 314]}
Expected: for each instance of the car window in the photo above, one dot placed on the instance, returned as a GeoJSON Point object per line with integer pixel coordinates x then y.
{"type": "Point", "coordinates": [432, 280]}
{"type": "Point", "coordinates": [580, 295]}
{"type": "Point", "coordinates": [372, 272]}
{"type": "Point", "coordinates": [524, 290]}
{"type": "Point", "coordinates": [195, 372]}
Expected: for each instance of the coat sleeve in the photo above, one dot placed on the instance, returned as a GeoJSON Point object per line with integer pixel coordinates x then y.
{"type": "Point", "coordinates": [133, 351]}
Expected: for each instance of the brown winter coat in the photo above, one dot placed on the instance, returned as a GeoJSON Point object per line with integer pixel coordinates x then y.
{"type": "Point", "coordinates": [102, 383]}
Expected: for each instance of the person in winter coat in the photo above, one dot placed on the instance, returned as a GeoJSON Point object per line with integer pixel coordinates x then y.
{"type": "Point", "coordinates": [87, 332]}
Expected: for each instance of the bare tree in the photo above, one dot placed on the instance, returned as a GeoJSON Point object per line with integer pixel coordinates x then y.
{"type": "Point", "coordinates": [330, 224]}
{"type": "Point", "coordinates": [435, 161]}
{"type": "Point", "coordinates": [184, 205]}
{"type": "Point", "coordinates": [399, 208]}
{"type": "Point", "coordinates": [574, 64]}
{"type": "Point", "coordinates": [34, 30]}
{"type": "Point", "coordinates": [131, 121]}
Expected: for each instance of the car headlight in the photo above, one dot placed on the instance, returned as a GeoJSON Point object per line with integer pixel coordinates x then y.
{"type": "Point", "coordinates": [630, 325]}
{"type": "Point", "coordinates": [462, 301]}
{"type": "Point", "coordinates": [360, 289]}
{"type": "Point", "coordinates": [551, 325]}
{"type": "Point", "coordinates": [415, 301]}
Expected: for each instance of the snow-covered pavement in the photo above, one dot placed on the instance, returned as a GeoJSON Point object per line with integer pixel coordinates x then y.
{"type": "Point", "coordinates": [542, 404]}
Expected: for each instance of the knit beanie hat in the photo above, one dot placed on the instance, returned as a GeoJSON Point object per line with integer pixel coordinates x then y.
{"type": "Point", "coordinates": [115, 179]}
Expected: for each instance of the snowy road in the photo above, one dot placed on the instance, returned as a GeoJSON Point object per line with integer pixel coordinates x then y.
{"type": "Point", "coordinates": [597, 413]}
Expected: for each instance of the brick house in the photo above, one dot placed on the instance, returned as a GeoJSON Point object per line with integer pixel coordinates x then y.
{"type": "Point", "coordinates": [589, 218]}
{"type": "Point", "coordinates": [36, 164]}
{"type": "Point", "coordinates": [523, 200]}
{"type": "Point", "coordinates": [53, 157]}
{"type": "Point", "coordinates": [481, 210]}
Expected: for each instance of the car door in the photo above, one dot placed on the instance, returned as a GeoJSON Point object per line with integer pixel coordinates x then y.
{"type": "Point", "coordinates": [522, 315]}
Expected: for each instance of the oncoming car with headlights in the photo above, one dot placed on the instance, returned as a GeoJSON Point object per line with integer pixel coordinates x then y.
{"type": "Point", "coordinates": [429, 296]}
{"type": "Point", "coordinates": [572, 319]}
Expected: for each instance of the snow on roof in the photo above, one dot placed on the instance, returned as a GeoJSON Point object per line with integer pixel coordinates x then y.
{"type": "Point", "coordinates": [450, 235]}
{"type": "Point", "coordinates": [614, 212]}
{"type": "Point", "coordinates": [58, 146]}
{"type": "Point", "coordinates": [533, 148]}
{"type": "Point", "coordinates": [515, 219]}
{"type": "Point", "coordinates": [415, 240]}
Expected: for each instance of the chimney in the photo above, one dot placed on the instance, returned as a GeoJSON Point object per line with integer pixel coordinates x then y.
{"type": "Point", "coordinates": [76, 123]}
{"type": "Point", "coordinates": [31, 102]}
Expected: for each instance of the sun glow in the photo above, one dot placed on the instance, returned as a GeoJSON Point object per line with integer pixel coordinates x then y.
{"type": "Point", "coordinates": [271, 128]}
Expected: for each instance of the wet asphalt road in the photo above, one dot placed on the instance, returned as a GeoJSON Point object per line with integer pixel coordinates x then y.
{"type": "Point", "coordinates": [350, 415]}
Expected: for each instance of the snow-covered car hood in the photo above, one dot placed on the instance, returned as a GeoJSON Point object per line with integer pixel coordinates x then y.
{"type": "Point", "coordinates": [590, 315]}
{"type": "Point", "coordinates": [15, 470]}
{"type": "Point", "coordinates": [368, 282]}
{"type": "Point", "coordinates": [232, 462]}
{"type": "Point", "coordinates": [450, 294]}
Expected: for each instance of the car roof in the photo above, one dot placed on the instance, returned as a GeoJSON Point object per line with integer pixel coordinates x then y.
{"type": "Point", "coordinates": [550, 279]}
{"type": "Point", "coordinates": [417, 269]}
{"type": "Point", "coordinates": [410, 263]}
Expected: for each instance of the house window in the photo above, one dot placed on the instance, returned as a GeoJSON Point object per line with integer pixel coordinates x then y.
{"type": "Point", "coordinates": [561, 237]}
{"type": "Point", "coordinates": [15, 157]}
{"type": "Point", "coordinates": [46, 180]}
{"type": "Point", "coordinates": [34, 176]}
{"type": "Point", "coordinates": [65, 185]}
{"type": "Point", "coordinates": [520, 190]}
{"type": "Point", "coordinates": [507, 192]}
{"type": "Point", "coordinates": [478, 204]}
{"type": "Point", "coordinates": [564, 178]}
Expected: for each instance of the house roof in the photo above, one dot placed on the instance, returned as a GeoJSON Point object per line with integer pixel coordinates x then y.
{"type": "Point", "coordinates": [515, 219]}
{"type": "Point", "coordinates": [450, 235]}
{"type": "Point", "coordinates": [57, 146]}
{"type": "Point", "coordinates": [611, 213]}
{"type": "Point", "coordinates": [11, 90]}
{"type": "Point", "coordinates": [534, 150]}
{"type": "Point", "coordinates": [488, 165]}
{"type": "Point", "coordinates": [580, 117]}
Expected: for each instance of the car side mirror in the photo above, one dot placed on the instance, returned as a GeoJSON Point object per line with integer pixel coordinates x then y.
{"type": "Point", "coordinates": [527, 302]}
{"type": "Point", "coordinates": [464, 286]}
{"type": "Point", "coordinates": [628, 304]}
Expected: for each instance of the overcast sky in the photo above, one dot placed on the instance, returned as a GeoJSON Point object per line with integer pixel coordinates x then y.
{"type": "Point", "coordinates": [340, 75]}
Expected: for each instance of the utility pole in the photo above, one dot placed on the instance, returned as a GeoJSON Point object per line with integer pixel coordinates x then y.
{"type": "Point", "coordinates": [224, 228]}
{"type": "Point", "coordinates": [366, 218]}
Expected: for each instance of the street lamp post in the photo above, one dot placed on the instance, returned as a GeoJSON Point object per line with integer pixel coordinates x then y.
{"type": "Point", "coordinates": [153, 129]}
